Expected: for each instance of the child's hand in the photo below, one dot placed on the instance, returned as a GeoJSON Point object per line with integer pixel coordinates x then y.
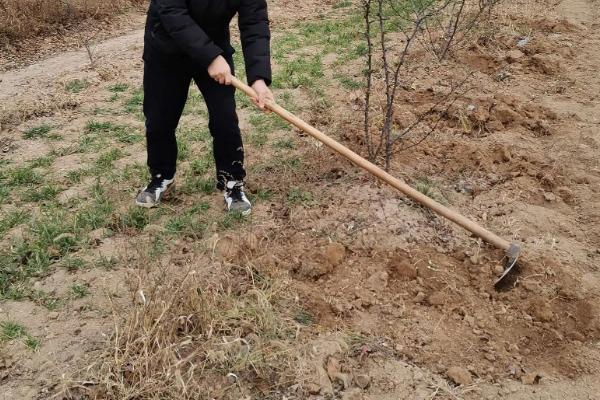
{"type": "Point", "coordinates": [220, 71]}
{"type": "Point", "coordinates": [264, 94]}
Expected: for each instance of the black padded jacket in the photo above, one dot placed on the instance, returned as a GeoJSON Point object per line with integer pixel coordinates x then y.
{"type": "Point", "coordinates": [200, 30]}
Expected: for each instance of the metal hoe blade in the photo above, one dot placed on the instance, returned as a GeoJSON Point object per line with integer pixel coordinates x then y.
{"type": "Point", "coordinates": [511, 267]}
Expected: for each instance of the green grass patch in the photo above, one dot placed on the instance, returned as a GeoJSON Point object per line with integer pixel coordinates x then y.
{"type": "Point", "coordinates": [44, 193]}
{"type": "Point", "coordinates": [342, 4]}
{"type": "Point", "coordinates": [11, 330]}
{"type": "Point", "coordinates": [195, 104]}
{"type": "Point", "coordinates": [304, 317]}
{"type": "Point", "coordinates": [42, 162]}
{"type": "Point", "coordinates": [107, 263]}
{"type": "Point", "coordinates": [95, 215]}
{"type": "Point", "coordinates": [9, 220]}
{"type": "Point", "coordinates": [79, 291]}
{"type": "Point", "coordinates": [121, 133]}
{"type": "Point", "coordinates": [198, 184]}
{"type": "Point", "coordinates": [22, 176]}
{"type": "Point", "coordinates": [36, 132]}
{"type": "Point", "coordinates": [77, 175]}
{"type": "Point", "coordinates": [286, 144]}
{"type": "Point", "coordinates": [349, 83]}
{"type": "Point", "coordinates": [106, 160]}
{"type": "Point", "coordinates": [73, 264]}
{"type": "Point", "coordinates": [45, 299]}
{"type": "Point", "coordinates": [136, 218]}
{"type": "Point", "coordinates": [429, 188]}
{"type": "Point", "coordinates": [231, 220]}
{"type": "Point", "coordinates": [76, 86]}
{"type": "Point", "coordinates": [297, 196]}
{"type": "Point", "coordinates": [51, 236]}
{"type": "Point", "coordinates": [133, 105]}
{"type": "Point", "coordinates": [183, 150]}
{"type": "Point", "coordinates": [118, 88]}
{"type": "Point", "coordinates": [303, 71]}
{"type": "Point", "coordinates": [268, 122]}
{"type": "Point", "coordinates": [203, 165]}
{"type": "Point", "coordinates": [195, 133]}
{"type": "Point", "coordinates": [32, 343]}
{"type": "Point", "coordinates": [263, 195]}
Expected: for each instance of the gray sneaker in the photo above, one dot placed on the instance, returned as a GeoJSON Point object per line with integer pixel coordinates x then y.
{"type": "Point", "coordinates": [158, 189]}
{"type": "Point", "coordinates": [236, 199]}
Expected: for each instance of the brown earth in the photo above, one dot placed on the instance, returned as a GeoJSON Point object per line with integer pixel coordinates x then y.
{"type": "Point", "coordinates": [402, 301]}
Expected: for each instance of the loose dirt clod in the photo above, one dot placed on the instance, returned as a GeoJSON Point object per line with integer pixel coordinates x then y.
{"type": "Point", "coordinates": [541, 310]}
{"type": "Point", "coordinates": [378, 281]}
{"type": "Point", "coordinates": [531, 378]}
{"type": "Point", "coordinates": [459, 375]}
{"type": "Point", "coordinates": [402, 268]}
{"type": "Point", "coordinates": [335, 253]}
{"type": "Point", "coordinates": [437, 299]}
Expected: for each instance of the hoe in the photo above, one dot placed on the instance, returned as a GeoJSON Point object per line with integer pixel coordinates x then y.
{"type": "Point", "coordinates": [512, 249]}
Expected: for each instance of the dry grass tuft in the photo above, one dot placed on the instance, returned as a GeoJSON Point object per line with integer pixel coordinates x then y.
{"type": "Point", "coordinates": [196, 332]}
{"type": "Point", "coordinates": [28, 18]}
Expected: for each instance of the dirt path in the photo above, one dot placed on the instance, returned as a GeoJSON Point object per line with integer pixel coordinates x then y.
{"type": "Point", "coordinates": [42, 75]}
{"type": "Point", "coordinates": [410, 293]}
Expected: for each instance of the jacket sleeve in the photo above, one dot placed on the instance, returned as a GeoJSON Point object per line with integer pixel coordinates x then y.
{"type": "Point", "coordinates": [189, 36]}
{"type": "Point", "coordinates": [255, 33]}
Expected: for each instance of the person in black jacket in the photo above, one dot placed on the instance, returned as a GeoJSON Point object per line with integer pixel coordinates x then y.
{"type": "Point", "coordinates": [190, 39]}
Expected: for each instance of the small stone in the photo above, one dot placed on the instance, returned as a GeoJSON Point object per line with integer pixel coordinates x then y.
{"type": "Point", "coordinates": [362, 380]}
{"type": "Point", "coordinates": [459, 375]}
{"type": "Point", "coordinates": [514, 56]}
{"type": "Point", "coordinates": [548, 196]}
{"type": "Point", "coordinates": [469, 319]}
{"type": "Point", "coordinates": [498, 269]}
{"type": "Point", "coordinates": [419, 297]}
{"type": "Point", "coordinates": [531, 378]}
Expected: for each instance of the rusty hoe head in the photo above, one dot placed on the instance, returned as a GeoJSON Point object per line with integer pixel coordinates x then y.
{"type": "Point", "coordinates": [511, 268]}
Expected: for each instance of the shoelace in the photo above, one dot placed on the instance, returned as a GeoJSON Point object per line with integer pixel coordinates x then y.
{"type": "Point", "coordinates": [155, 183]}
{"type": "Point", "coordinates": [236, 192]}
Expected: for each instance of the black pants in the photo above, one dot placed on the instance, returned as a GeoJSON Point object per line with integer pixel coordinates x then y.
{"type": "Point", "coordinates": [167, 81]}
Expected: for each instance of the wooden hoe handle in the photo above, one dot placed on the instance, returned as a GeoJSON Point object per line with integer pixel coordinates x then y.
{"type": "Point", "coordinates": [380, 173]}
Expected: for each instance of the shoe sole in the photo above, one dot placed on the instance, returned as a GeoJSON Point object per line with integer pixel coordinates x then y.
{"type": "Point", "coordinates": [146, 205]}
